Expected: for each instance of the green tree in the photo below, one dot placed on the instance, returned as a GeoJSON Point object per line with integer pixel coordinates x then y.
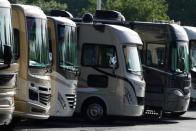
{"type": "Point", "coordinates": [145, 10]}
{"type": "Point", "coordinates": [182, 10]}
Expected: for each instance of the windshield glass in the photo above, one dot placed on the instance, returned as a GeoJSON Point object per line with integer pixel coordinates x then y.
{"type": "Point", "coordinates": [132, 59]}
{"type": "Point", "coordinates": [5, 30]}
{"type": "Point", "coordinates": [193, 55]}
{"type": "Point", "coordinates": [180, 58]}
{"type": "Point", "coordinates": [67, 41]}
{"type": "Point", "coordinates": [38, 42]}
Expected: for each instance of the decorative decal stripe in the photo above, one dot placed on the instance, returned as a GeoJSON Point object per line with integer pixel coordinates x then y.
{"type": "Point", "coordinates": [116, 76]}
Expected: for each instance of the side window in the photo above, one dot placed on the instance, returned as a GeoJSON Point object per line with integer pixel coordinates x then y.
{"type": "Point", "coordinates": [155, 55]}
{"type": "Point", "coordinates": [140, 49]}
{"type": "Point", "coordinates": [98, 55]}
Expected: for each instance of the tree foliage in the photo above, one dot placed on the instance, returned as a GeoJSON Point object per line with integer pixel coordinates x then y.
{"type": "Point", "coordinates": [183, 10]}
{"type": "Point", "coordinates": [146, 10]}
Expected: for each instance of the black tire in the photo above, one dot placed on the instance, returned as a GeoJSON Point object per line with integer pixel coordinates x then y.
{"type": "Point", "coordinates": [94, 111]}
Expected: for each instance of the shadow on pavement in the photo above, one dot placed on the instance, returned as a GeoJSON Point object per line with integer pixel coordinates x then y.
{"type": "Point", "coordinates": [80, 123]}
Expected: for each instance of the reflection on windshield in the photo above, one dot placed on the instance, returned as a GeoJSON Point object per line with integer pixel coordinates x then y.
{"type": "Point", "coordinates": [132, 59]}
{"type": "Point", "coordinates": [67, 47]}
{"type": "Point", "coordinates": [180, 58]}
{"type": "Point", "coordinates": [5, 30]}
{"type": "Point", "coordinates": [38, 42]}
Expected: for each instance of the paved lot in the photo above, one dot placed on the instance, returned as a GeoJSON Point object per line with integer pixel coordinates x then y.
{"type": "Point", "coordinates": [185, 123]}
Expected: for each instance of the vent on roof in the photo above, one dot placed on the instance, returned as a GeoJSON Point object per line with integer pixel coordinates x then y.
{"type": "Point", "coordinates": [61, 13]}
{"type": "Point", "coordinates": [109, 15]}
{"type": "Point", "coordinates": [87, 18]}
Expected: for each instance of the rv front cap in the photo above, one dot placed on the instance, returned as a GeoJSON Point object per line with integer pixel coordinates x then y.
{"type": "Point", "coordinates": [126, 35]}
{"type": "Point", "coordinates": [63, 21]}
{"type": "Point", "coordinates": [4, 4]}
{"type": "Point", "coordinates": [191, 32]}
{"type": "Point", "coordinates": [31, 11]}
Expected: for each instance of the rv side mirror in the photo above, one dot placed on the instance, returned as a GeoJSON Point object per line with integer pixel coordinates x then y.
{"type": "Point", "coordinates": [113, 62]}
{"type": "Point", "coordinates": [181, 62]}
{"type": "Point", "coordinates": [7, 54]}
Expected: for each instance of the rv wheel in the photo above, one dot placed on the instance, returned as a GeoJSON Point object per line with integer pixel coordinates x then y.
{"type": "Point", "coordinates": [94, 111]}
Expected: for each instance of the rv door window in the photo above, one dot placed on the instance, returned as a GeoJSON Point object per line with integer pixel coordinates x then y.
{"type": "Point", "coordinates": [180, 58]}
{"type": "Point", "coordinates": [132, 59]}
{"type": "Point", "coordinates": [98, 55]}
{"type": "Point", "coordinates": [67, 47]}
{"type": "Point", "coordinates": [38, 42]}
{"type": "Point", "coordinates": [155, 55]}
{"type": "Point", "coordinates": [5, 30]}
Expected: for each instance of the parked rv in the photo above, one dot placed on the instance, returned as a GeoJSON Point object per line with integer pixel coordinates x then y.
{"type": "Point", "coordinates": [111, 80]}
{"type": "Point", "coordinates": [7, 65]}
{"type": "Point", "coordinates": [191, 32]}
{"type": "Point", "coordinates": [63, 46]}
{"type": "Point", "coordinates": [165, 58]}
{"type": "Point", "coordinates": [33, 90]}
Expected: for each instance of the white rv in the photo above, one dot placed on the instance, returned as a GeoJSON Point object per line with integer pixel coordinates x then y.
{"type": "Point", "coordinates": [63, 46]}
{"type": "Point", "coordinates": [7, 65]}
{"type": "Point", "coordinates": [33, 90]}
{"type": "Point", "coordinates": [111, 80]}
{"type": "Point", "coordinates": [191, 32]}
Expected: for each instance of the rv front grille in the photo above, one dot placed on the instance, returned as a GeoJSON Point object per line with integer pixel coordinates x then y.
{"type": "Point", "coordinates": [71, 98]}
{"type": "Point", "coordinates": [44, 98]}
{"type": "Point", "coordinates": [43, 89]}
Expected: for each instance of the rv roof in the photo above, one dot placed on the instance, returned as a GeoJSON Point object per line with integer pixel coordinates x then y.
{"type": "Point", "coordinates": [191, 32]}
{"type": "Point", "coordinates": [63, 20]}
{"type": "Point", "coordinates": [5, 3]}
{"type": "Point", "coordinates": [31, 11]}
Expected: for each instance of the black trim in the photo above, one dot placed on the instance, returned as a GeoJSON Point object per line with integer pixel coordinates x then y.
{"type": "Point", "coordinates": [116, 76]}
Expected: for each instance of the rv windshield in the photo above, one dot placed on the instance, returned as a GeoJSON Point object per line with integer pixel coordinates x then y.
{"type": "Point", "coordinates": [193, 55]}
{"type": "Point", "coordinates": [5, 30]}
{"type": "Point", "coordinates": [180, 58]}
{"type": "Point", "coordinates": [38, 42]}
{"type": "Point", "coordinates": [132, 59]}
{"type": "Point", "coordinates": [67, 41]}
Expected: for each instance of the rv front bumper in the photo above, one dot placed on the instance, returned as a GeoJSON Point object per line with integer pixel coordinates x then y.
{"type": "Point", "coordinates": [135, 110]}
{"type": "Point", "coordinates": [6, 107]}
{"type": "Point", "coordinates": [32, 111]}
{"type": "Point", "coordinates": [177, 102]}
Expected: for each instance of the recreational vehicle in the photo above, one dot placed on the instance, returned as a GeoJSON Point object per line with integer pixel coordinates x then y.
{"type": "Point", "coordinates": [63, 46]}
{"type": "Point", "coordinates": [8, 67]}
{"type": "Point", "coordinates": [165, 59]}
{"type": "Point", "coordinates": [33, 89]}
{"type": "Point", "coordinates": [191, 32]}
{"type": "Point", "coordinates": [111, 80]}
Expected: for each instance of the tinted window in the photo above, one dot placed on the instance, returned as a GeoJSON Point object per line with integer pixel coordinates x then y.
{"type": "Point", "coordinates": [155, 55]}
{"type": "Point", "coordinates": [98, 55]}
